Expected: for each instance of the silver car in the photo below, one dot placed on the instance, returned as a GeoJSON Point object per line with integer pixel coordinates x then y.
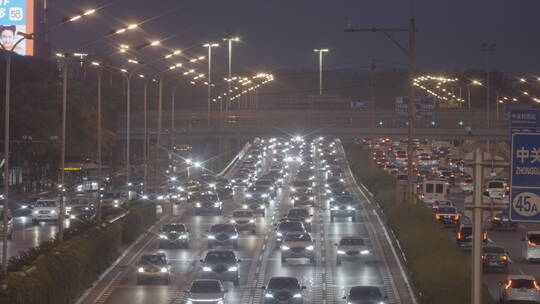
{"type": "Point", "coordinates": [206, 292]}
{"type": "Point", "coordinates": [297, 245]}
{"type": "Point", "coordinates": [352, 248]}
{"type": "Point", "coordinates": [519, 288]}
{"type": "Point", "coordinates": [531, 246]}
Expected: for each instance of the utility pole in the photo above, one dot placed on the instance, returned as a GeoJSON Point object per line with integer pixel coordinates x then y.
{"type": "Point", "coordinates": [372, 91]}
{"type": "Point", "coordinates": [411, 53]}
{"type": "Point", "coordinates": [476, 296]}
{"type": "Point", "coordinates": [100, 179]}
{"type": "Point", "coordinates": [488, 48]}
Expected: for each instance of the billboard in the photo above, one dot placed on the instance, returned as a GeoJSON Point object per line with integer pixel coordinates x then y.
{"type": "Point", "coordinates": [17, 16]}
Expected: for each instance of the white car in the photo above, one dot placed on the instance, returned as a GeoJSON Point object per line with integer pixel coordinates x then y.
{"type": "Point", "coordinates": [496, 188]}
{"type": "Point", "coordinates": [352, 248]}
{"type": "Point", "coordinates": [298, 245]}
{"type": "Point", "coordinates": [243, 220]}
{"type": "Point", "coordinates": [206, 291]}
{"type": "Point", "coordinates": [45, 210]}
{"type": "Point", "coordinates": [519, 288]}
{"type": "Point", "coordinates": [531, 246]}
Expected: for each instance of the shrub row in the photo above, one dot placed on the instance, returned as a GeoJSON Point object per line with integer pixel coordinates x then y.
{"type": "Point", "coordinates": [66, 270]}
{"type": "Point", "coordinates": [438, 269]}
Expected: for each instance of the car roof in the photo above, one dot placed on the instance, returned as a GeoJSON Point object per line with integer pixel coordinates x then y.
{"type": "Point", "coordinates": [352, 237]}
{"type": "Point", "coordinates": [533, 232]}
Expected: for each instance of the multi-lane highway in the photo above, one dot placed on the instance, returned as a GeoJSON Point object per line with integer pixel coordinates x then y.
{"type": "Point", "coordinates": [326, 282]}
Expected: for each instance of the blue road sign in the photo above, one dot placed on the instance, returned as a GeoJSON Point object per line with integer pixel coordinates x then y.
{"type": "Point", "coordinates": [423, 107]}
{"type": "Point", "coordinates": [525, 120]}
{"type": "Point", "coordinates": [525, 177]}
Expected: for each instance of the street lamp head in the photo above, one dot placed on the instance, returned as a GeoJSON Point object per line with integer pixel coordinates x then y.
{"type": "Point", "coordinates": [155, 42]}
{"type": "Point", "coordinates": [123, 70]}
{"type": "Point", "coordinates": [141, 76]}
{"type": "Point", "coordinates": [321, 50]}
{"type": "Point", "coordinates": [89, 12]}
{"type": "Point", "coordinates": [132, 26]}
{"type": "Point", "coordinates": [211, 45]}
{"type": "Point", "coordinates": [95, 63]}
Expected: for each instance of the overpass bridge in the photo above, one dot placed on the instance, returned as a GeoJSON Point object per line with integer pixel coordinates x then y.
{"type": "Point", "coordinates": [192, 124]}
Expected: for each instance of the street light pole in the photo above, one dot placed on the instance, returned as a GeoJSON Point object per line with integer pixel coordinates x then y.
{"type": "Point", "coordinates": [63, 149]}
{"type": "Point", "coordinates": [99, 214]}
{"type": "Point", "coordinates": [320, 51]}
{"type": "Point", "coordinates": [173, 95]}
{"type": "Point", "coordinates": [145, 139]}
{"type": "Point", "coordinates": [230, 41]}
{"type": "Point", "coordinates": [209, 46]}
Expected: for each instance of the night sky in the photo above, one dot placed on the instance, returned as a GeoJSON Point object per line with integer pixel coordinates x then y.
{"type": "Point", "coordinates": [281, 34]}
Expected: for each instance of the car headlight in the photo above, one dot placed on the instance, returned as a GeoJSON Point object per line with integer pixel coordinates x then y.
{"type": "Point", "coordinates": [206, 269]}
{"type": "Point", "coordinates": [211, 237]}
{"type": "Point", "coordinates": [217, 205]}
{"type": "Point", "coordinates": [212, 185]}
{"type": "Point", "coordinates": [334, 208]}
{"type": "Point", "coordinates": [292, 189]}
{"type": "Point", "coordinates": [140, 269]}
{"type": "Point", "coordinates": [308, 220]}
{"type": "Point", "coordinates": [341, 252]}
{"type": "Point", "coordinates": [198, 205]}
{"type": "Point", "coordinates": [297, 295]}
{"type": "Point", "coordinates": [262, 206]}
{"type": "Point", "coordinates": [244, 206]}
{"type": "Point", "coordinates": [285, 247]}
{"type": "Point", "coordinates": [234, 237]}
{"type": "Point", "coordinates": [364, 252]}
{"type": "Point", "coordinates": [234, 268]}
{"type": "Point", "coordinates": [183, 236]}
{"type": "Point", "coordinates": [53, 211]}
{"type": "Point", "coordinates": [145, 197]}
{"type": "Point", "coordinates": [163, 269]}
{"type": "Point", "coordinates": [350, 208]}
{"type": "Point", "coordinates": [268, 295]}
{"type": "Point", "coordinates": [248, 195]}
{"type": "Point", "coordinates": [264, 195]}
{"type": "Point", "coordinates": [279, 234]}
{"type": "Point", "coordinates": [162, 236]}
{"type": "Point", "coordinates": [160, 197]}
{"type": "Point", "coordinates": [233, 221]}
{"type": "Point", "coordinates": [35, 212]}
{"type": "Point", "coordinates": [328, 191]}
{"type": "Point", "coordinates": [310, 247]}
{"type": "Point", "coordinates": [311, 198]}
{"type": "Point", "coordinates": [252, 221]}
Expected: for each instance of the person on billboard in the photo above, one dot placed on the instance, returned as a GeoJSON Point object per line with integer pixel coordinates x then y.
{"type": "Point", "coordinates": [7, 37]}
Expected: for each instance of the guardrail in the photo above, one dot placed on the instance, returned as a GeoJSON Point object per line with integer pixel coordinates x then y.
{"type": "Point", "coordinates": [225, 172]}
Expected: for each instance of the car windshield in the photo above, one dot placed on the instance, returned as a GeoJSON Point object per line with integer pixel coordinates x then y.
{"type": "Point", "coordinates": [365, 293]}
{"type": "Point", "coordinates": [466, 230]}
{"type": "Point", "coordinates": [208, 197]}
{"type": "Point", "coordinates": [205, 286]}
{"type": "Point", "coordinates": [351, 241]}
{"type": "Point", "coordinates": [298, 237]}
{"type": "Point", "coordinates": [222, 228]}
{"type": "Point", "coordinates": [301, 184]}
{"type": "Point", "coordinates": [493, 249]}
{"type": "Point", "coordinates": [498, 185]}
{"type": "Point", "coordinates": [283, 283]}
{"type": "Point", "coordinates": [153, 259]}
{"type": "Point", "coordinates": [46, 204]}
{"type": "Point", "coordinates": [220, 256]}
{"type": "Point", "coordinates": [298, 213]}
{"type": "Point", "coordinates": [345, 199]}
{"type": "Point", "coordinates": [449, 210]}
{"type": "Point", "coordinates": [264, 183]}
{"type": "Point", "coordinates": [174, 228]}
{"type": "Point", "coordinates": [522, 283]}
{"type": "Point", "coordinates": [535, 238]}
{"type": "Point", "coordinates": [242, 214]}
{"type": "Point", "coordinates": [78, 201]}
{"type": "Point", "coordinates": [291, 226]}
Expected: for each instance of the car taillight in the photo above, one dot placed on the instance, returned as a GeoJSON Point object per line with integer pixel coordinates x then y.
{"type": "Point", "coordinates": [507, 286]}
{"type": "Point", "coordinates": [496, 218]}
{"type": "Point", "coordinates": [532, 244]}
{"type": "Point", "coordinates": [536, 285]}
{"type": "Point", "coordinates": [437, 217]}
{"type": "Point", "coordinates": [485, 236]}
{"type": "Point", "coordinates": [504, 257]}
{"type": "Point", "coordinates": [456, 217]}
{"type": "Point", "coordinates": [459, 235]}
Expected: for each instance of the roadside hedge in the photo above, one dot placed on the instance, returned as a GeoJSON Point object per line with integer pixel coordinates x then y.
{"type": "Point", "coordinates": [438, 269]}
{"type": "Point", "coordinates": [62, 274]}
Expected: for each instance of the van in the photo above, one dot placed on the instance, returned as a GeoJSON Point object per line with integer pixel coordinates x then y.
{"type": "Point", "coordinates": [464, 233]}
{"type": "Point", "coordinates": [433, 190]}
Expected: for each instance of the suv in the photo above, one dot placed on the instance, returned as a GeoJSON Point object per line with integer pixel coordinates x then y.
{"type": "Point", "coordinates": [297, 245]}
{"type": "Point", "coordinates": [244, 220]}
{"type": "Point", "coordinates": [365, 294]}
{"type": "Point", "coordinates": [45, 210]}
{"type": "Point", "coordinates": [448, 216]}
{"type": "Point", "coordinates": [519, 288]}
{"type": "Point", "coordinates": [301, 185]}
{"type": "Point", "coordinates": [261, 193]}
{"type": "Point", "coordinates": [531, 246]}
{"type": "Point", "coordinates": [81, 207]}
{"type": "Point", "coordinates": [222, 265]}
{"type": "Point", "coordinates": [173, 235]}
{"type": "Point", "coordinates": [495, 257]}
{"type": "Point", "coordinates": [206, 292]}
{"type": "Point", "coordinates": [153, 266]}
{"type": "Point", "coordinates": [303, 198]}
{"type": "Point", "coordinates": [288, 227]}
{"type": "Point", "coordinates": [283, 290]}
{"type": "Point", "coordinates": [208, 202]}
{"type": "Point", "coordinates": [352, 248]}
{"type": "Point", "coordinates": [113, 199]}
{"type": "Point", "coordinates": [343, 206]}
{"type": "Point", "coordinates": [464, 235]}
{"type": "Point", "coordinates": [223, 235]}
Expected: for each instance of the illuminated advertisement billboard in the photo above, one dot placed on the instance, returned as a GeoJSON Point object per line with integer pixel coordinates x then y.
{"type": "Point", "coordinates": [17, 16]}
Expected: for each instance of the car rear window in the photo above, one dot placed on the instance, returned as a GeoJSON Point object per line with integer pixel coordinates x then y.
{"type": "Point", "coordinates": [522, 283]}
{"type": "Point", "coordinates": [535, 238]}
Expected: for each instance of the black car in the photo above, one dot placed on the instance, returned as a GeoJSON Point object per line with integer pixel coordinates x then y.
{"type": "Point", "coordinates": [221, 265]}
{"type": "Point", "coordinates": [495, 258]}
{"type": "Point", "coordinates": [302, 214]}
{"type": "Point", "coordinates": [223, 235]}
{"type": "Point", "coordinates": [153, 267]}
{"type": "Point", "coordinates": [501, 221]}
{"type": "Point", "coordinates": [286, 226]}
{"type": "Point", "coordinates": [283, 290]}
{"type": "Point", "coordinates": [174, 235]}
{"type": "Point", "coordinates": [255, 206]}
{"type": "Point", "coordinates": [365, 295]}
{"type": "Point", "coordinates": [208, 202]}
